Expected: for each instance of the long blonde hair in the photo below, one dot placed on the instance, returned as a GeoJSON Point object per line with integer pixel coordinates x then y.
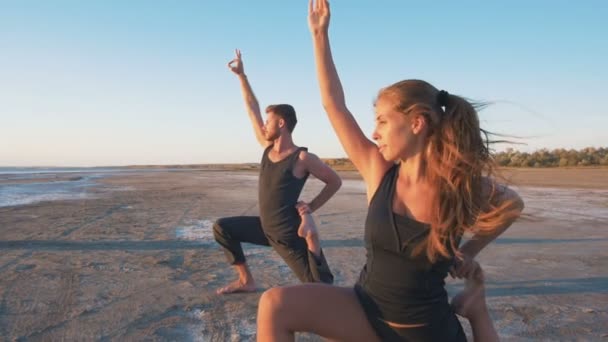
{"type": "Point", "coordinates": [457, 157]}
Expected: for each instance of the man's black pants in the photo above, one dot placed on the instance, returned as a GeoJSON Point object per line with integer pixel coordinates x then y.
{"type": "Point", "coordinates": [231, 231]}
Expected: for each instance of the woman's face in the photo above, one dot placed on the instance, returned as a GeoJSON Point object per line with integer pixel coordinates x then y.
{"type": "Point", "coordinates": [393, 133]}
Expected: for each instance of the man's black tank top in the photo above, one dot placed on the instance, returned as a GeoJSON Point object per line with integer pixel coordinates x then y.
{"type": "Point", "coordinates": [278, 192]}
{"type": "Point", "coordinates": [403, 288]}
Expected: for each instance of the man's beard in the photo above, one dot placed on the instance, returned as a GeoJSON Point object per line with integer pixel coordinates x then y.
{"type": "Point", "coordinates": [273, 137]}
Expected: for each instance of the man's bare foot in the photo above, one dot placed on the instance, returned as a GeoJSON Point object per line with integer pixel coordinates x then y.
{"type": "Point", "coordinates": [308, 231]}
{"type": "Point", "coordinates": [235, 287]}
{"type": "Point", "coordinates": [307, 227]}
{"type": "Point", "coordinates": [472, 300]}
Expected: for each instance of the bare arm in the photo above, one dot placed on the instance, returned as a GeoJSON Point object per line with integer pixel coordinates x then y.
{"type": "Point", "coordinates": [362, 151]}
{"type": "Point", "coordinates": [251, 103]}
{"type": "Point", "coordinates": [479, 241]}
{"type": "Point", "coordinates": [324, 173]}
{"type": "Point", "coordinates": [472, 247]}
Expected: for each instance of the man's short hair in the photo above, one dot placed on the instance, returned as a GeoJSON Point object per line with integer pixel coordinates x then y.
{"type": "Point", "coordinates": [285, 112]}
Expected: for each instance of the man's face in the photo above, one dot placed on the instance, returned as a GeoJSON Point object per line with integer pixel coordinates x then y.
{"type": "Point", "coordinates": [272, 127]}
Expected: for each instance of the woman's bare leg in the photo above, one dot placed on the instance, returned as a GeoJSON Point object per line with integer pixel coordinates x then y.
{"type": "Point", "coordinates": [328, 311]}
{"type": "Point", "coordinates": [471, 304]}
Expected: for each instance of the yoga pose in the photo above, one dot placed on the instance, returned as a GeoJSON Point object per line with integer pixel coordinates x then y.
{"type": "Point", "coordinates": [283, 172]}
{"type": "Point", "coordinates": [429, 180]}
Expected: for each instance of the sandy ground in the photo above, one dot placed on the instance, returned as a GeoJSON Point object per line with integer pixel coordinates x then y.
{"type": "Point", "coordinates": [136, 260]}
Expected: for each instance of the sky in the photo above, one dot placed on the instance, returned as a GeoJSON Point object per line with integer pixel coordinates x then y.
{"type": "Point", "coordinates": [113, 82]}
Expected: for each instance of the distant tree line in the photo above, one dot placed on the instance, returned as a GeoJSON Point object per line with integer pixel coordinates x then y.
{"type": "Point", "coordinates": [560, 157]}
{"type": "Point", "coordinates": [590, 156]}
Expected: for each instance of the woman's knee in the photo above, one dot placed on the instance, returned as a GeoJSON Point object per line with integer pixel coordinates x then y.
{"type": "Point", "coordinates": [272, 301]}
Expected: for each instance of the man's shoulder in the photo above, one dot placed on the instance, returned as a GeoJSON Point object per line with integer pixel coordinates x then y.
{"type": "Point", "coordinates": [306, 156]}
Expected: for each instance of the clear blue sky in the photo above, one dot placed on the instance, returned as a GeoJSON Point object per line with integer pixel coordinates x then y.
{"type": "Point", "coordinates": [86, 83]}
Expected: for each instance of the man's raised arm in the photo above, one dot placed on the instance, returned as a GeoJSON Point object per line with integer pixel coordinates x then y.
{"type": "Point", "coordinates": [251, 103]}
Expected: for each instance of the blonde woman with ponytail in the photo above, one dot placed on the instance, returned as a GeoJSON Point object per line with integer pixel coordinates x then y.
{"type": "Point", "coordinates": [429, 180]}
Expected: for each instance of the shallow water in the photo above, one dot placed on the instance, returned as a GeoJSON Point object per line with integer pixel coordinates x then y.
{"type": "Point", "coordinates": [20, 194]}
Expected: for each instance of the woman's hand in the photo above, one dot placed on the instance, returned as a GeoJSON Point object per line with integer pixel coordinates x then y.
{"type": "Point", "coordinates": [464, 267]}
{"type": "Point", "coordinates": [318, 15]}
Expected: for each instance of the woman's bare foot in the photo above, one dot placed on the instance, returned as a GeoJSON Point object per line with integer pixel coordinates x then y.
{"type": "Point", "coordinates": [237, 286]}
{"type": "Point", "coordinates": [471, 301]}
{"type": "Point", "coordinates": [308, 231]}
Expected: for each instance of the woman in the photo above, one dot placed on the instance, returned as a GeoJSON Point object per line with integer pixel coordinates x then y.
{"type": "Point", "coordinates": [428, 180]}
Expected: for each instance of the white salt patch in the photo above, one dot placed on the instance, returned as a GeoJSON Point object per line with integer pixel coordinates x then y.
{"type": "Point", "coordinates": [14, 199]}
{"type": "Point", "coordinates": [245, 331]}
{"type": "Point", "coordinates": [197, 330]}
{"type": "Point", "coordinates": [195, 230]}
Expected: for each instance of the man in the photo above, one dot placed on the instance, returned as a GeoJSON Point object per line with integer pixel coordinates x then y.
{"type": "Point", "coordinates": [283, 172]}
